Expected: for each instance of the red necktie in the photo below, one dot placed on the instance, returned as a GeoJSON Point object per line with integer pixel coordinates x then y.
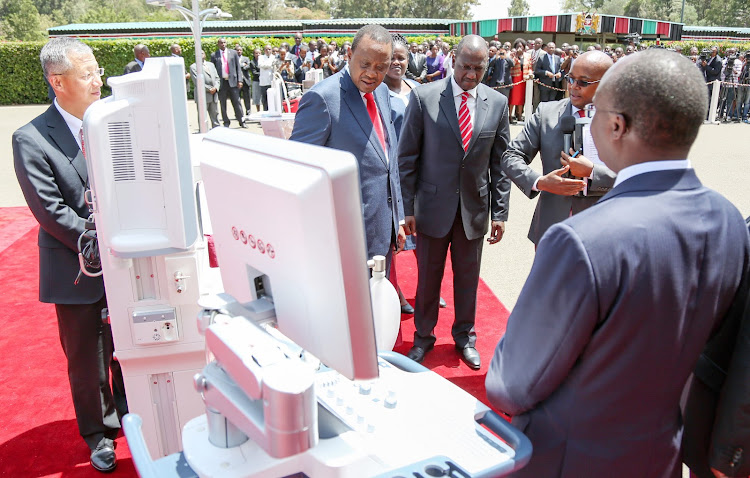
{"type": "Point", "coordinates": [464, 121]}
{"type": "Point", "coordinates": [372, 110]}
{"type": "Point", "coordinates": [581, 114]}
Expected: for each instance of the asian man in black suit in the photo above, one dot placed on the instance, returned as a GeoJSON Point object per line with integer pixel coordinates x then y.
{"type": "Point", "coordinates": [51, 171]}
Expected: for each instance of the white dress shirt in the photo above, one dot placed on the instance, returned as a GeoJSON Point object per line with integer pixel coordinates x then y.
{"type": "Point", "coordinates": [74, 124]}
{"type": "Point", "coordinates": [471, 101]}
{"type": "Point", "coordinates": [650, 167]}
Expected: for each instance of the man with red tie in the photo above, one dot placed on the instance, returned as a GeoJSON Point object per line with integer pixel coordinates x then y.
{"type": "Point", "coordinates": [351, 111]}
{"type": "Point", "coordinates": [227, 64]}
{"type": "Point", "coordinates": [454, 135]}
{"type": "Point", "coordinates": [559, 196]}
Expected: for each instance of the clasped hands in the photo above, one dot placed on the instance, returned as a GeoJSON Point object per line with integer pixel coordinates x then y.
{"type": "Point", "coordinates": [554, 182]}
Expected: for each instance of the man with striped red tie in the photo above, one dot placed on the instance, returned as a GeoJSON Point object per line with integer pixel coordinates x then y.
{"type": "Point", "coordinates": [454, 135]}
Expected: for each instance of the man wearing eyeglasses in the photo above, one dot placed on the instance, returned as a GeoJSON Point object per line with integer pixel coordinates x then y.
{"type": "Point", "coordinates": [51, 171]}
{"type": "Point", "coordinates": [559, 194]}
{"type": "Point", "coordinates": [622, 298]}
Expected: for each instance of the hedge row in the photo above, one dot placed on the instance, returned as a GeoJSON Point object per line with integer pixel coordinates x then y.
{"type": "Point", "coordinates": [24, 82]}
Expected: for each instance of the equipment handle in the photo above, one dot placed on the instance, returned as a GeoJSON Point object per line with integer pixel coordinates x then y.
{"type": "Point", "coordinates": [172, 466]}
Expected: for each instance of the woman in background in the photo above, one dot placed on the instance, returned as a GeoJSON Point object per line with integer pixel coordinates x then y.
{"type": "Point", "coordinates": [522, 69]}
{"type": "Point", "coordinates": [434, 64]}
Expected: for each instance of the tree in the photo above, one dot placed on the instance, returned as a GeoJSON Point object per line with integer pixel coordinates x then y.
{"type": "Point", "coordinates": [21, 21]}
{"type": "Point", "coordinates": [518, 8]}
{"type": "Point", "coordinates": [458, 9]}
{"type": "Point", "coordinates": [583, 5]}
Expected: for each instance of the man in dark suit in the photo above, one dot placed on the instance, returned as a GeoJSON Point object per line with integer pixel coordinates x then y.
{"type": "Point", "coordinates": [623, 296]}
{"type": "Point", "coordinates": [559, 195]}
{"type": "Point", "coordinates": [711, 69]}
{"type": "Point", "coordinates": [246, 80]}
{"type": "Point", "coordinates": [227, 64]}
{"type": "Point", "coordinates": [547, 70]}
{"type": "Point", "coordinates": [140, 51]}
{"type": "Point", "coordinates": [351, 111]}
{"type": "Point", "coordinates": [51, 171]}
{"type": "Point", "coordinates": [416, 69]}
{"type": "Point", "coordinates": [499, 72]}
{"type": "Point", "coordinates": [455, 132]}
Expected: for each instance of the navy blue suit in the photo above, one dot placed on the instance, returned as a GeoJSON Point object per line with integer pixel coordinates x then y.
{"type": "Point", "coordinates": [333, 114]}
{"type": "Point", "coordinates": [610, 323]}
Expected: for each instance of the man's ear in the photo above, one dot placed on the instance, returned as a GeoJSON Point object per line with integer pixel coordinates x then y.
{"type": "Point", "coordinates": [55, 82]}
{"type": "Point", "coordinates": [619, 126]}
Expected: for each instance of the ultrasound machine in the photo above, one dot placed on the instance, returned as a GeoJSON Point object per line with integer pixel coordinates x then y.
{"type": "Point", "coordinates": [289, 379]}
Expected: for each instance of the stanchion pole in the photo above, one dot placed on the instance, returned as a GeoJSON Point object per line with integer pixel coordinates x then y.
{"type": "Point", "coordinates": [528, 108]}
{"type": "Point", "coordinates": [715, 92]}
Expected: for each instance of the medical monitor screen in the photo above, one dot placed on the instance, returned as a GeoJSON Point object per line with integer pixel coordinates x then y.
{"type": "Point", "coordinates": [287, 224]}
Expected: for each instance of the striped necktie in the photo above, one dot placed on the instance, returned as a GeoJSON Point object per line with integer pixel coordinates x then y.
{"type": "Point", "coordinates": [464, 121]}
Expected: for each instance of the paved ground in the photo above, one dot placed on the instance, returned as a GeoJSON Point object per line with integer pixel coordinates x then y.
{"type": "Point", "coordinates": [719, 156]}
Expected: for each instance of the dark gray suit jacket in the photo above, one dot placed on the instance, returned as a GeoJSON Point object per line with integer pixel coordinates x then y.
{"type": "Point", "coordinates": [542, 66]}
{"type": "Point", "coordinates": [613, 316]}
{"type": "Point", "coordinates": [235, 70]}
{"type": "Point", "coordinates": [542, 134]}
{"type": "Point", "coordinates": [52, 174]}
{"type": "Point", "coordinates": [132, 67]}
{"type": "Point", "coordinates": [437, 175]}
{"type": "Point", "coordinates": [332, 113]}
{"type": "Point", "coordinates": [417, 66]}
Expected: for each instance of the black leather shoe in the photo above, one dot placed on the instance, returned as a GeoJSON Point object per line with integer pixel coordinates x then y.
{"type": "Point", "coordinates": [443, 304]}
{"type": "Point", "coordinates": [243, 126]}
{"type": "Point", "coordinates": [417, 353]}
{"type": "Point", "coordinates": [103, 458]}
{"type": "Point", "coordinates": [407, 309]}
{"type": "Point", "coordinates": [471, 357]}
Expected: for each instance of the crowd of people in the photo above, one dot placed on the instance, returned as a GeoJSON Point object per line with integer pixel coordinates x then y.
{"type": "Point", "coordinates": [638, 266]}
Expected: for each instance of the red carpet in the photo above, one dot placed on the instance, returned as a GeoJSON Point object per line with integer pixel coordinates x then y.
{"type": "Point", "coordinates": [38, 432]}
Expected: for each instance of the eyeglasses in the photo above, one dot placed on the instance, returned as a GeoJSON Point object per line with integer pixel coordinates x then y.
{"type": "Point", "coordinates": [581, 83]}
{"type": "Point", "coordinates": [590, 110]}
{"type": "Point", "coordinates": [99, 72]}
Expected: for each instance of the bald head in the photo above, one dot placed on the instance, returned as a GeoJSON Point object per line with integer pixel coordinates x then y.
{"type": "Point", "coordinates": [597, 61]}
{"type": "Point", "coordinates": [473, 44]}
{"type": "Point", "coordinates": [642, 89]}
{"type": "Point", "coordinates": [588, 68]}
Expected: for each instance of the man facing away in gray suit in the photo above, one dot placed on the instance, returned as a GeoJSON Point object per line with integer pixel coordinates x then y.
{"type": "Point", "coordinates": [212, 84]}
{"type": "Point", "coordinates": [559, 197]}
{"type": "Point", "coordinates": [52, 173]}
{"type": "Point", "coordinates": [623, 296]}
{"type": "Point", "coordinates": [455, 132]}
{"type": "Point", "coordinates": [351, 111]}
{"type": "Point", "coordinates": [141, 53]}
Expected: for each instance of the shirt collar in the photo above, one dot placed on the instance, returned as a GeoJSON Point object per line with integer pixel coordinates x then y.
{"type": "Point", "coordinates": [457, 90]}
{"type": "Point", "coordinates": [140, 63]}
{"type": "Point", "coordinates": [651, 166]}
{"type": "Point", "coordinates": [74, 124]}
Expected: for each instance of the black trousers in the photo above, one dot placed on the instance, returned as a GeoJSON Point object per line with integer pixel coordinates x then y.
{"type": "Point", "coordinates": [548, 94]}
{"type": "Point", "coordinates": [234, 96]}
{"type": "Point", "coordinates": [466, 256]}
{"type": "Point", "coordinates": [245, 94]}
{"type": "Point", "coordinates": [87, 344]}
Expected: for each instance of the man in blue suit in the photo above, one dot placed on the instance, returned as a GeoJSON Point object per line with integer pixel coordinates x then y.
{"type": "Point", "coordinates": [623, 296]}
{"type": "Point", "coordinates": [351, 111]}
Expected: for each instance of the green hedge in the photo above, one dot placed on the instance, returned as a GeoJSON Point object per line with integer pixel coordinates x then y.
{"type": "Point", "coordinates": [24, 81]}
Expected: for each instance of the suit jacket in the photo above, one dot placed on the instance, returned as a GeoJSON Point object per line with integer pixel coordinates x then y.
{"type": "Point", "coordinates": [494, 77]}
{"type": "Point", "coordinates": [543, 66]}
{"type": "Point", "coordinates": [52, 174]}
{"type": "Point", "coordinates": [132, 67]}
{"type": "Point", "coordinates": [235, 71]}
{"type": "Point", "coordinates": [437, 176]}
{"type": "Point", "coordinates": [332, 113]}
{"type": "Point", "coordinates": [417, 67]}
{"type": "Point", "coordinates": [613, 316]}
{"type": "Point", "coordinates": [712, 71]}
{"type": "Point", "coordinates": [211, 79]}
{"type": "Point", "coordinates": [717, 409]}
{"type": "Point", "coordinates": [542, 134]}
{"type": "Point", "coordinates": [245, 70]}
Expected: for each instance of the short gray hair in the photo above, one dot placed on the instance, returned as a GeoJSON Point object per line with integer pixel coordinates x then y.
{"type": "Point", "coordinates": [662, 95]}
{"type": "Point", "coordinates": [54, 55]}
